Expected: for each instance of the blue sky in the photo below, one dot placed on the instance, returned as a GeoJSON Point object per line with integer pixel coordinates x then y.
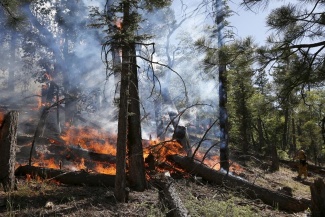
{"type": "Point", "coordinates": [251, 23]}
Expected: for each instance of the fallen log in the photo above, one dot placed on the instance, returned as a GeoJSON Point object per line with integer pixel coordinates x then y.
{"type": "Point", "coordinates": [67, 177]}
{"type": "Point", "coordinates": [310, 167]}
{"type": "Point", "coordinates": [70, 152]}
{"type": "Point", "coordinates": [252, 191]}
{"type": "Point", "coordinates": [169, 197]}
{"type": "Point", "coordinates": [66, 153]}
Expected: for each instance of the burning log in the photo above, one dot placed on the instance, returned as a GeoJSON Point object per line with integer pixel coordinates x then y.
{"type": "Point", "coordinates": [70, 177]}
{"type": "Point", "coordinates": [8, 143]}
{"type": "Point", "coordinates": [273, 198]}
{"type": "Point", "coordinates": [168, 195]}
{"type": "Point", "coordinates": [317, 190]}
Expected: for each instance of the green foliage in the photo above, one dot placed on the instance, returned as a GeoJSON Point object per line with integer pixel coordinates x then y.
{"type": "Point", "coordinates": [283, 155]}
{"type": "Point", "coordinates": [151, 5]}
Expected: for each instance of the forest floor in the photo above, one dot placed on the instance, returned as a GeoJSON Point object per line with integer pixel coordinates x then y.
{"type": "Point", "coordinates": [39, 198]}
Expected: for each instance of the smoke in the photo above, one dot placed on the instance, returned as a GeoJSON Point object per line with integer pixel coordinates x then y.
{"type": "Point", "coordinates": [175, 31]}
{"type": "Point", "coordinates": [78, 57]}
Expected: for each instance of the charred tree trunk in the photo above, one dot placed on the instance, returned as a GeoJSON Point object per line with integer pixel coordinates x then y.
{"type": "Point", "coordinates": [223, 115]}
{"type": "Point", "coordinates": [317, 190]}
{"type": "Point", "coordinates": [137, 177]}
{"type": "Point", "coordinates": [252, 191]}
{"type": "Point", "coordinates": [8, 143]}
{"type": "Point", "coordinates": [120, 181]}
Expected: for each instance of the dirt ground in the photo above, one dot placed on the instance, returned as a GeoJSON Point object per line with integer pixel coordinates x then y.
{"type": "Point", "coordinates": [42, 198]}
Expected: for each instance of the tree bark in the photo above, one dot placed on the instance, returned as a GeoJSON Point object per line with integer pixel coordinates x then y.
{"type": "Point", "coordinates": [137, 177]}
{"type": "Point", "coordinates": [317, 190]}
{"type": "Point", "coordinates": [261, 140]}
{"type": "Point", "coordinates": [120, 181]}
{"type": "Point", "coordinates": [293, 147]}
{"type": "Point", "coordinates": [251, 190]}
{"type": "Point", "coordinates": [8, 143]}
{"type": "Point", "coordinates": [67, 177]}
{"type": "Point", "coordinates": [223, 83]}
{"type": "Point", "coordinates": [285, 127]}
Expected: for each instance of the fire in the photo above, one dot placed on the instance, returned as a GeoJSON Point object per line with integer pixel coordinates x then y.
{"type": "Point", "coordinates": [161, 149]}
{"type": "Point", "coordinates": [105, 169]}
{"type": "Point", "coordinates": [2, 117]}
{"type": "Point", "coordinates": [50, 163]}
{"type": "Point", "coordinates": [214, 162]}
{"type": "Point", "coordinates": [118, 23]}
{"type": "Point", "coordinates": [90, 139]}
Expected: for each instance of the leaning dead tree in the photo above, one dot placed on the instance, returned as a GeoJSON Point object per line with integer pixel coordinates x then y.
{"type": "Point", "coordinates": [250, 190]}
{"type": "Point", "coordinates": [8, 143]}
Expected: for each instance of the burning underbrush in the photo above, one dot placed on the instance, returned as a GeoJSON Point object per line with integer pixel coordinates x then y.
{"type": "Point", "coordinates": [94, 151]}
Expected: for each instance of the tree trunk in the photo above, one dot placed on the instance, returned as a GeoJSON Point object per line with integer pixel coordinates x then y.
{"type": "Point", "coordinates": [252, 191]}
{"type": "Point", "coordinates": [285, 128]}
{"type": "Point", "coordinates": [223, 116]}
{"type": "Point", "coordinates": [67, 177]}
{"type": "Point", "coordinates": [317, 190]}
{"type": "Point", "coordinates": [275, 166]}
{"type": "Point", "coordinates": [261, 140]}
{"type": "Point", "coordinates": [293, 147]}
{"type": "Point", "coordinates": [8, 143]}
{"type": "Point", "coordinates": [137, 177]}
{"type": "Point", "coordinates": [38, 131]}
{"type": "Point", "coordinates": [120, 181]}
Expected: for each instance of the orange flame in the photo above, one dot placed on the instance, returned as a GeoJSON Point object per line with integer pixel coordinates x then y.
{"type": "Point", "coordinates": [90, 139]}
